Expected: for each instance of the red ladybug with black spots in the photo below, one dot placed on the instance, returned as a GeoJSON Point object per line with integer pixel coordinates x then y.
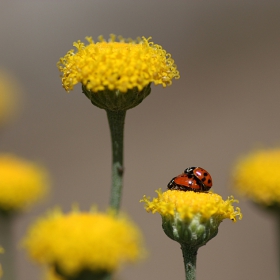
{"type": "Point", "coordinates": [194, 179]}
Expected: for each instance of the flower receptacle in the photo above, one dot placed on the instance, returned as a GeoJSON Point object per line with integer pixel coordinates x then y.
{"type": "Point", "coordinates": [114, 100]}
{"type": "Point", "coordinates": [194, 232]}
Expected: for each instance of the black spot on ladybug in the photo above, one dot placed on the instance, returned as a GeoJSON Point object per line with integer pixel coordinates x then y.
{"type": "Point", "coordinates": [209, 181]}
{"type": "Point", "coordinates": [203, 179]}
{"type": "Point", "coordinates": [205, 173]}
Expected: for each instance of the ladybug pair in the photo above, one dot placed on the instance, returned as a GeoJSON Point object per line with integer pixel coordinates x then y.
{"type": "Point", "coordinates": [194, 179]}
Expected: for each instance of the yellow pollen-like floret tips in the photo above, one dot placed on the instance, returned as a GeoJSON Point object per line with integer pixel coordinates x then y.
{"type": "Point", "coordinates": [117, 65]}
{"type": "Point", "coordinates": [191, 204]}
{"type": "Point", "coordinates": [22, 183]}
{"type": "Point", "coordinates": [257, 176]}
{"type": "Point", "coordinates": [80, 241]}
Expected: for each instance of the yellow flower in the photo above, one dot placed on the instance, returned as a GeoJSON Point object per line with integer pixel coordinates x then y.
{"type": "Point", "coordinates": [9, 90]}
{"type": "Point", "coordinates": [21, 183]}
{"type": "Point", "coordinates": [191, 217]}
{"type": "Point", "coordinates": [117, 65]}
{"type": "Point", "coordinates": [189, 204]}
{"type": "Point", "coordinates": [84, 241]}
{"type": "Point", "coordinates": [257, 176]}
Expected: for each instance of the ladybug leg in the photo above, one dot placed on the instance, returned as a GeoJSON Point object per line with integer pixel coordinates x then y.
{"type": "Point", "coordinates": [186, 189]}
{"type": "Point", "coordinates": [204, 188]}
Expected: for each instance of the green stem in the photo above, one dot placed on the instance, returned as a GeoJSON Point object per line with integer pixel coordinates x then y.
{"type": "Point", "coordinates": [116, 123]}
{"type": "Point", "coordinates": [278, 233]}
{"type": "Point", "coordinates": [189, 255]}
{"type": "Point", "coordinates": [7, 259]}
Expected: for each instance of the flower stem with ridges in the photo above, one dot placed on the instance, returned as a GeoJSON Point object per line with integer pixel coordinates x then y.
{"type": "Point", "coordinates": [116, 124]}
{"type": "Point", "coordinates": [189, 255]}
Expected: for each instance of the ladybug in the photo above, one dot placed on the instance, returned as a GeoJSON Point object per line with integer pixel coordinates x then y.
{"type": "Point", "coordinates": [194, 179]}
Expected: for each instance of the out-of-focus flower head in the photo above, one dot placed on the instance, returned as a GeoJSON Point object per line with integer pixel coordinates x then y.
{"type": "Point", "coordinates": [84, 243]}
{"type": "Point", "coordinates": [107, 70]}
{"type": "Point", "coordinates": [257, 176]}
{"type": "Point", "coordinates": [22, 183]}
{"type": "Point", "coordinates": [191, 217]}
{"type": "Point", "coordinates": [9, 96]}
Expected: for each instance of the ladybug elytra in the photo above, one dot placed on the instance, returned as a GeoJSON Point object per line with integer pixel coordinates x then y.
{"type": "Point", "coordinates": [194, 179]}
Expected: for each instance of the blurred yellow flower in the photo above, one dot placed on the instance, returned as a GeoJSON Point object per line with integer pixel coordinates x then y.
{"type": "Point", "coordinates": [257, 176]}
{"type": "Point", "coordinates": [9, 95]}
{"type": "Point", "coordinates": [84, 241]}
{"type": "Point", "coordinates": [22, 183]}
{"type": "Point", "coordinates": [117, 65]}
{"type": "Point", "coordinates": [189, 204]}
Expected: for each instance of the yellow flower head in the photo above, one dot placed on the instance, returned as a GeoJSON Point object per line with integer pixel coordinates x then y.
{"type": "Point", "coordinates": [117, 65]}
{"type": "Point", "coordinates": [191, 217]}
{"type": "Point", "coordinates": [257, 176]}
{"type": "Point", "coordinates": [22, 183]}
{"type": "Point", "coordinates": [84, 241]}
{"type": "Point", "coordinates": [9, 91]}
{"type": "Point", "coordinates": [189, 204]}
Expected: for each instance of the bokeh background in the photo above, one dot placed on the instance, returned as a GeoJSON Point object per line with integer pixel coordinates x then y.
{"type": "Point", "coordinates": [225, 104]}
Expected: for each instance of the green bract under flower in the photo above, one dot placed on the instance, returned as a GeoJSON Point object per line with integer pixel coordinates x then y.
{"type": "Point", "coordinates": [257, 176]}
{"type": "Point", "coordinates": [117, 65]}
{"type": "Point", "coordinates": [116, 100]}
{"type": "Point", "coordinates": [191, 217]}
{"type": "Point", "coordinates": [52, 275]}
{"type": "Point", "coordinates": [81, 243]}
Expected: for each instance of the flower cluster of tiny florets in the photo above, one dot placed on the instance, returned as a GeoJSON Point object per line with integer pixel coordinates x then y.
{"type": "Point", "coordinates": [190, 204]}
{"type": "Point", "coordinates": [117, 65]}
{"type": "Point", "coordinates": [84, 240]}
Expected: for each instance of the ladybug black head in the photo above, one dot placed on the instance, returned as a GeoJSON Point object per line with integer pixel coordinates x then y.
{"type": "Point", "coordinates": [189, 170]}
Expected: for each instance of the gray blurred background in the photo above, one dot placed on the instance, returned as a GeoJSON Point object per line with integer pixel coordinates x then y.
{"type": "Point", "coordinates": [226, 102]}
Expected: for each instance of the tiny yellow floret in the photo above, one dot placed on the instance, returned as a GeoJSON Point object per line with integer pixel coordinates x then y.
{"type": "Point", "coordinates": [117, 65]}
{"type": "Point", "coordinates": [191, 204]}
{"type": "Point", "coordinates": [22, 183]}
{"type": "Point", "coordinates": [257, 176]}
{"type": "Point", "coordinates": [80, 241]}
